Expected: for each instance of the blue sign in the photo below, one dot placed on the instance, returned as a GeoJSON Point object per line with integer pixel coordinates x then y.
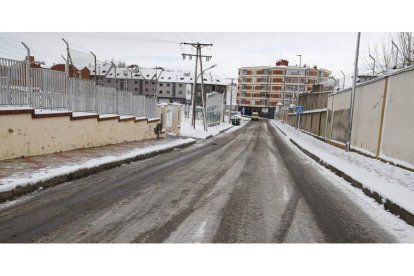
{"type": "Point", "coordinates": [300, 109]}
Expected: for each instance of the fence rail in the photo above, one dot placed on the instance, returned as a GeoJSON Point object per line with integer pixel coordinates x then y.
{"type": "Point", "coordinates": [48, 89]}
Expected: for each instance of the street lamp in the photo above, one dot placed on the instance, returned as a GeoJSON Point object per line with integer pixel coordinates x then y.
{"type": "Point", "coordinates": [211, 67]}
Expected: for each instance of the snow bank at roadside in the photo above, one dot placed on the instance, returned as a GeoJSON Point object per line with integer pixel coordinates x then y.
{"type": "Point", "coordinates": [388, 181]}
{"type": "Point", "coordinates": [11, 182]}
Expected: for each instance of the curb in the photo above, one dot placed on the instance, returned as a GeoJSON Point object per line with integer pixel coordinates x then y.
{"type": "Point", "coordinates": [388, 204]}
{"type": "Point", "coordinates": [224, 130]}
{"type": "Point", "coordinates": [278, 128]}
{"type": "Point", "coordinates": [21, 190]}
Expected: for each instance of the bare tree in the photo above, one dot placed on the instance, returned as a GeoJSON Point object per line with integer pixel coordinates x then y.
{"type": "Point", "coordinates": [384, 54]}
{"type": "Point", "coordinates": [121, 64]}
{"type": "Point", "coordinates": [406, 45]}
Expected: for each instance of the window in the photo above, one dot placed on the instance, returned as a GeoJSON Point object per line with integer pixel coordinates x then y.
{"type": "Point", "coordinates": [109, 81]}
{"type": "Point", "coordinates": [146, 89]}
{"type": "Point", "coordinates": [160, 92]}
{"type": "Point", "coordinates": [136, 82]}
{"type": "Point", "coordinates": [180, 85]}
{"type": "Point", "coordinates": [161, 84]}
{"type": "Point", "coordinates": [168, 92]}
{"type": "Point", "coordinates": [181, 78]}
{"type": "Point", "coordinates": [181, 92]}
{"type": "Point", "coordinates": [110, 74]}
{"type": "Point", "coordinates": [146, 82]}
{"type": "Point", "coordinates": [135, 89]}
{"type": "Point", "coordinates": [153, 82]}
{"type": "Point", "coordinates": [104, 71]}
{"type": "Point", "coordinates": [168, 85]}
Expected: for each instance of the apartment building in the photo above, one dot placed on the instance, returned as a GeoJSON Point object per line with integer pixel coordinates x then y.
{"type": "Point", "coordinates": [172, 86]}
{"type": "Point", "coordinates": [261, 88]}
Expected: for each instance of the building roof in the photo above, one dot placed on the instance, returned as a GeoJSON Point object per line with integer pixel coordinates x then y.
{"type": "Point", "coordinates": [148, 74]}
{"type": "Point", "coordinates": [289, 67]}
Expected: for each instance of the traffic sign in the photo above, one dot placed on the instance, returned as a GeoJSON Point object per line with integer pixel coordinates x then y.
{"type": "Point", "coordinates": [300, 109]}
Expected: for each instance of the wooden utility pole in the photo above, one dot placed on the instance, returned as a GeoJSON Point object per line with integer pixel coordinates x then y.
{"type": "Point", "coordinates": [199, 58]}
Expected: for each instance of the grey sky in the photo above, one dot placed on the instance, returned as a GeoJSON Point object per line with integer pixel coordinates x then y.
{"type": "Point", "coordinates": [334, 51]}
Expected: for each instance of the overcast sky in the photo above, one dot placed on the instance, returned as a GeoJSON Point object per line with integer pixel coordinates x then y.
{"type": "Point", "coordinates": [333, 51]}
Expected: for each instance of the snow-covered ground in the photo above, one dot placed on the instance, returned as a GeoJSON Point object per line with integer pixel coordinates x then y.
{"type": "Point", "coordinates": [188, 131]}
{"type": "Point", "coordinates": [389, 181]}
{"type": "Point", "coordinates": [31, 177]}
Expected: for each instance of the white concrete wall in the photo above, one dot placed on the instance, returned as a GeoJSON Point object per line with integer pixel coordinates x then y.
{"type": "Point", "coordinates": [398, 134]}
{"type": "Point", "coordinates": [367, 115]}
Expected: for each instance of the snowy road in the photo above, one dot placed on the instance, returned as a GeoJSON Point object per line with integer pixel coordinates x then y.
{"type": "Point", "coordinates": [249, 185]}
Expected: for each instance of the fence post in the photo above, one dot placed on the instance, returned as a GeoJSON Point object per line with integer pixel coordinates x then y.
{"type": "Point", "coordinates": [29, 88]}
{"type": "Point", "coordinates": [384, 102]}
{"type": "Point", "coordinates": [332, 116]}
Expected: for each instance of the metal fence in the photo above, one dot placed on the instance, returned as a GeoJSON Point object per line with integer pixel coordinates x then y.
{"type": "Point", "coordinates": [82, 95]}
{"type": "Point", "coordinates": [13, 82]}
{"type": "Point", "coordinates": [48, 89]}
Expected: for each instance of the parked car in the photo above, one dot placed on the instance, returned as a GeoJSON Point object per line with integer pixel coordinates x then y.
{"type": "Point", "coordinates": [255, 116]}
{"type": "Point", "coordinates": [235, 118]}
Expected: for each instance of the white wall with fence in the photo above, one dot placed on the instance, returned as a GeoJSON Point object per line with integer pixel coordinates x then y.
{"type": "Point", "coordinates": [48, 89]}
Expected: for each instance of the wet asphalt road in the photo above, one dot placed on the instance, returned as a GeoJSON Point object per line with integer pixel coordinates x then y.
{"type": "Point", "coordinates": [247, 186]}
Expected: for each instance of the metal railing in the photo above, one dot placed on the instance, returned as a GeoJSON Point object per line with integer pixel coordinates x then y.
{"type": "Point", "coordinates": [48, 89]}
{"type": "Point", "coordinates": [13, 83]}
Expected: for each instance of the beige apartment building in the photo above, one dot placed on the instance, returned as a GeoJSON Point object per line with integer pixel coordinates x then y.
{"type": "Point", "coordinates": [262, 88]}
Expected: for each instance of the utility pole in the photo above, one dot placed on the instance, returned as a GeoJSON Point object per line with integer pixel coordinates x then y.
{"type": "Point", "coordinates": [29, 87]}
{"type": "Point", "coordinates": [231, 97]}
{"type": "Point", "coordinates": [351, 106]}
{"type": "Point", "coordinates": [198, 57]}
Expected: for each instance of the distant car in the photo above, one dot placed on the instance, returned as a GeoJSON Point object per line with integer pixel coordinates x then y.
{"type": "Point", "coordinates": [235, 118]}
{"type": "Point", "coordinates": [255, 116]}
